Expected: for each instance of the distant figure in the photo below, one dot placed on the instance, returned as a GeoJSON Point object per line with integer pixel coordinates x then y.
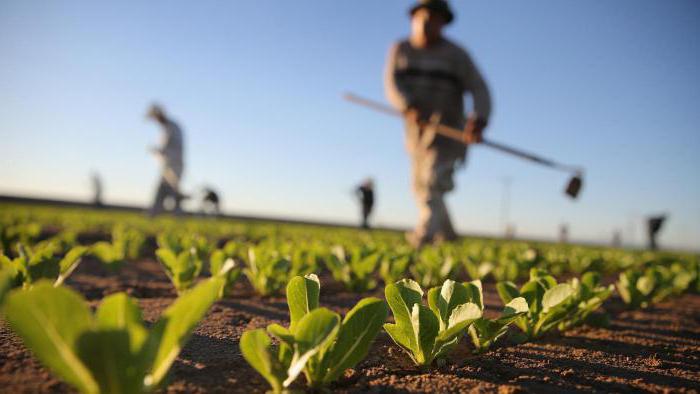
{"type": "Point", "coordinates": [654, 225]}
{"type": "Point", "coordinates": [564, 233]}
{"type": "Point", "coordinates": [96, 189]}
{"type": "Point", "coordinates": [210, 202]}
{"type": "Point", "coordinates": [617, 239]}
{"type": "Point", "coordinates": [365, 193]}
{"type": "Point", "coordinates": [426, 79]}
{"type": "Point", "coordinates": [170, 155]}
{"type": "Point", "coordinates": [510, 231]}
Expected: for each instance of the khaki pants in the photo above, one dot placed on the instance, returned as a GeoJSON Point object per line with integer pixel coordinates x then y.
{"type": "Point", "coordinates": [168, 188]}
{"type": "Point", "coordinates": [432, 171]}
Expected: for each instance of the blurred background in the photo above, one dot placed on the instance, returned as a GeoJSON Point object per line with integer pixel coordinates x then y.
{"type": "Point", "coordinates": [256, 88]}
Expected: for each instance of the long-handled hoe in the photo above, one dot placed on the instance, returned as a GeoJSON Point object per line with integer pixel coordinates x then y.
{"type": "Point", "coordinates": [573, 187]}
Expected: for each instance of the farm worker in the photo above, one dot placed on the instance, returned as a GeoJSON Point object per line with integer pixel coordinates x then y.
{"type": "Point", "coordinates": [654, 225]}
{"type": "Point", "coordinates": [426, 78]}
{"type": "Point", "coordinates": [169, 153]}
{"type": "Point", "coordinates": [96, 189]}
{"type": "Point", "coordinates": [210, 201]}
{"type": "Point", "coordinates": [365, 193]}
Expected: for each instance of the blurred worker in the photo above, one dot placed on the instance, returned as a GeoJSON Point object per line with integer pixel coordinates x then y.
{"type": "Point", "coordinates": [365, 193]}
{"type": "Point", "coordinates": [564, 233]}
{"type": "Point", "coordinates": [96, 189]}
{"type": "Point", "coordinates": [170, 155]}
{"type": "Point", "coordinates": [654, 225]}
{"type": "Point", "coordinates": [210, 202]}
{"type": "Point", "coordinates": [617, 239]}
{"type": "Point", "coordinates": [426, 78]}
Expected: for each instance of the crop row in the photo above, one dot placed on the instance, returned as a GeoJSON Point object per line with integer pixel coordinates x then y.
{"type": "Point", "coordinates": [112, 350]}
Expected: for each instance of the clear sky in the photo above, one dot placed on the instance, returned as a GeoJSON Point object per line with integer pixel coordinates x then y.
{"type": "Point", "coordinates": [613, 86]}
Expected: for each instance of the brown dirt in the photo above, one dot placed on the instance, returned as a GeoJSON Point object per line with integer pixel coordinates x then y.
{"type": "Point", "coordinates": [652, 350]}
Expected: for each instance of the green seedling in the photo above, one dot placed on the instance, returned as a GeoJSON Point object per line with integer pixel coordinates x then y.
{"type": "Point", "coordinates": [484, 332]}
{"type": "Point", "coordinates": [427, 333]}
{"type": "Point", "coordinates": [316, 342]}
{"type": "Point", "coordinates": [656, 283]}
{"type": "Point", "coordinates": [267, 270]}
{"type": "Point", "coordinates": [548, 303]}
{"type": "Point", "coordinates": [183, 269]}
{"type": "Point", "coordinates": [222, 262]}
{"type": "Point", "coordinates": [432, 266]}
{"type": "Point", "coordinates": [588, 296]}
{"type": "Point", "coordinates": [354, 267]}
{"type": "Point", "coordinates": [41, 263]}
{"type": "Point", "coordinates": [125, 244]}
{"type": "Point", "coordinates": [111, 351]}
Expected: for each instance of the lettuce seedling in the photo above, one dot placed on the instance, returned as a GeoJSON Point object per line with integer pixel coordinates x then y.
{"type": "Point", "coordinates": [429, 333]}
{"type": "Point", "coordinates": [219, 263]}
{"type": "Point", "coordinates": [588, 296]}
{"type": "Point", "coordinates": [267, 270]}
{"type": "Point", "coordinates": [354, 267]}
{"type": "Point", "coordinates": [179, 243]}
{"type": "Point", "coordinates": [478, 270]}
{"type": "Point", "coordinates": [432, 266]}
{"type": "Point", "coordinates": [111, 351]}
{"type": "Point", "coordinates": [41, 263]}
{"type": "Point", "coordinates": [394, 266]}
{"type": "Point", "coordinates": [485, 332]}
{"type": "Point", "coordinates": [316, 342]}
{"type": "Point", "coordinates": [183, 269]}
{"type": "Point", "coordinates": [125, 244]}
{"type": "Point", "coordinates": [548, 302]}
{"type": "Point", "coordinates": [641, 289]}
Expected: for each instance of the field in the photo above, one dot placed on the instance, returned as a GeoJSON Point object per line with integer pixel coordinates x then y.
{"type": "Point", "coordinates": [653, 346]}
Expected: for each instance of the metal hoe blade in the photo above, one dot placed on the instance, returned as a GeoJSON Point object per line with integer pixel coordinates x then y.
{"type": "Point", "coordinates": [573, 188]}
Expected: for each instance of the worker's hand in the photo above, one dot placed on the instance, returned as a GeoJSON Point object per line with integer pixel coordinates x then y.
{"type": "Point", "coordinates": [474, 130]}
{"type": "Point", "coordinates": [411, 114]}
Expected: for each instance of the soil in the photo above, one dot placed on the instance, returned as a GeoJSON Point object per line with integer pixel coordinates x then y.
{"type": "Point", "coordinates": [651, 350]}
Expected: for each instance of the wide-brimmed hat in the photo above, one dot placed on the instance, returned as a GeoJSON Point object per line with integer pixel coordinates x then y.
{"type": "Point", "coordinates": [435, 5]}
{"type": "Point", "coordinates": [155, 111]}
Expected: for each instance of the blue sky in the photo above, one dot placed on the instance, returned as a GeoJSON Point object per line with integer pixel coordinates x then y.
{"type": "Point", "coordinates": [612, 86]}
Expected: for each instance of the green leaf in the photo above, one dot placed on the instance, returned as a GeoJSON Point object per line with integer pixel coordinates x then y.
{"type": "Point", "coordinates": [119, 312]}
{"type": "Point", "coordinates": [646, 285]}
{"type": "Point", "coordinates": [282, 334]}
{"type": "Point", "coordinates": [556, 295]}
{"type": "Point", "coordinates": [49, 320]}
{"type": "Point", "coordinates": [357, 332]}
{"type": "Point", "coordinates": [174, 327]}
{"type": "Point", "coordinates": [462, 316]}
{"type": "Point", "coordinates": [475, 293]}
{"type": "Point", "coordinates": [256, 348]}
{"type": "Point", "coordinates": [401, 296]}
{"type": "Point", "coordinates": [108, 355]}
{"type": "Point", "coordinates": [533, 291]}
{"type": "Point", "coordinates": [69, 263]}
{"type": "Point", "coordinates": [314, 333]}
{"type": "Point", "coordinates": [401, 337]}
{"type": "Point", "coordinates": [425, 327]}
{"type": "Point", "coordinates": [450, 295]}
{"type": "Point", "coordinates": [110, 254]}
{"type": "Point", "coordinates": [507, 291]}
{"type": "Point", "coordinates": [513, 310]}
{"type": "Point", "coordinates": [302, 297]}
{"type": "Point", "coordinates": [591, 279]}
{"type": "Point", "coordinates": [7, 277]}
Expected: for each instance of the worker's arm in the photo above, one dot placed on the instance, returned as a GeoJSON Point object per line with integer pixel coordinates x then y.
{"type": "Point", "coordinates": [396, 92]}
{"type": "Point", "coordinates": [474, 83]}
